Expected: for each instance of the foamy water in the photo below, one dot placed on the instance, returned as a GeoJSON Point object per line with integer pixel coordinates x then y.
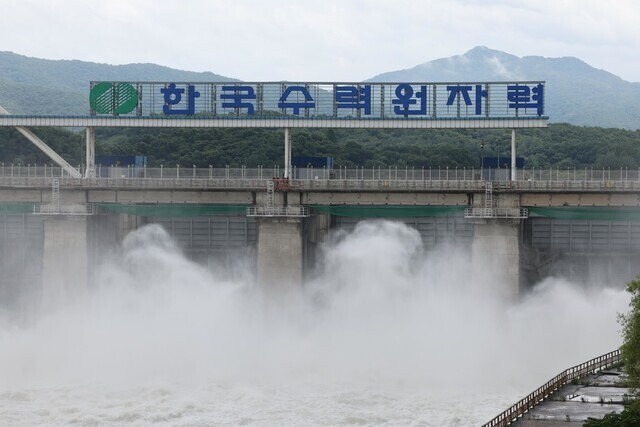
{"type": "Point", "coordinates": [385, 333]}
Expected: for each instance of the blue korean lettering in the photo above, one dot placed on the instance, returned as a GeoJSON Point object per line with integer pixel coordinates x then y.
{"type": "Point", "coordinates": [351, 97]}
{"type": "Point", "coordinates": [462, 90]}
{"type": "Point", "coordinates": [238, 97]}
{"type": "Point", "coordinates": [173, 96]}
{"type": "Point", "coordinates": [405, 98]}
{"type": "Point", "coordinates": [308, 100]}
{"type": "Point", "coordinates": [480, 93]}
{"type": "Point", "coordinates": [520, 96]}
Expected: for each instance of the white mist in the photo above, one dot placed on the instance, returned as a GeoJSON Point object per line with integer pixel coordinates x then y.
{"type": "Point", "coordinates": [385, 332]}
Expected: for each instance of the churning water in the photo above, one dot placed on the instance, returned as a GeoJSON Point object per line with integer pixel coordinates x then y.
{"type": "Point", "coordinates": [385, 333]}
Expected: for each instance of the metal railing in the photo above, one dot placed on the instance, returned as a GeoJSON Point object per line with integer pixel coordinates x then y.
{"type": "Point", "coordinates": [322, 184]}
{"type": "Point", "coordinates": [480, 213]}
{"type": "Point", "coordinates": [139, 183]}
{"type": "Point", "coordinates": [541, 393]}
{"type": "Point", "coordinates": [339, 179]}
{"type": "Point", "coordinates": [62, 209]}
{"type": "Point", "coordinates": [386, 173]}
{"type": "Point", "coordinates": [282, 211]}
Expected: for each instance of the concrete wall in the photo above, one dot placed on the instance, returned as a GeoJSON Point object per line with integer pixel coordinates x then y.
{"type": "Point", "coordinates": [65, 258]}
{"type": "Point", "coordinates": [495, 257]}
{"type": "Point", "coordinates": [280, 253]}
{"type": "Point", "coordinates": [21, 244]}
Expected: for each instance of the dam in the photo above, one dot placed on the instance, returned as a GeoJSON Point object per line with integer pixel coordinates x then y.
{"type": "Point", "coordinates": [380, 273]}
{"type": "Point", "coordinates": [574, 224]}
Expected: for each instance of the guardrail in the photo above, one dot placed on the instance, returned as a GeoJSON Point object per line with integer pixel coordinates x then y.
{"type": "Point", "coordinates": [137, 183]}
{"type": "Point", "coordinates": [541, 393]}
{"type": "Point", "coordinates": [62, 209]}
{"type": "Point", "coordinates": [377, 173]}
{"type": "Point", "coordinates": [280, 211]}
{"type": "Point", "coordinates": [345, 185]}
{"type": "Point", "coordinates": [480, 213]}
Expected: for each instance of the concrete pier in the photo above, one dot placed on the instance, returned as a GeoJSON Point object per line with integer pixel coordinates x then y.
{"type": "Point", "coordinates": [280, 254]}
{"type": "Point", "coordinates": [495, 252]}
{"type": "Point", "coordinates": [65, 258]}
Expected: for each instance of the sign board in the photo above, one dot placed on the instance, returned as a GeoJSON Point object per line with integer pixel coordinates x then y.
{"type": "Point", "coordinates": [326, 101]}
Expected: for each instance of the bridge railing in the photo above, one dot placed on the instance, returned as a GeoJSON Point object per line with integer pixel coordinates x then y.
{"type": "Point", "coordinates": [141, 183]}
{"type": "Point", "coordinates": [379, 173]}
{"type": "Point", "coordinates": [278, 211]}
{"type": "Point", "coordinates": [52, 209]}
{"type": "Point", "coordinates": [505, 213]}
{"type": "Point", "coordinates": [321, 184]}
{"type": "Point", "coordinates": [541, 393]}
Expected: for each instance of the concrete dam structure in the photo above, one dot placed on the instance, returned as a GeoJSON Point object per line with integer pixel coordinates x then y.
{"type": "Point", "coordinates": [517, 232]}
{"type": "Point", "coordinates": [281, 221]}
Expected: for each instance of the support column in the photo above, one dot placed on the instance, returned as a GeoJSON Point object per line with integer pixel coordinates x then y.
{"type": "Point", "coordinates": [65, 260]}
{"type": "Point", "coordinates": [513, 155]}
{"type": "Point", "coordinates": [91, 153]}
{"type": "Point", "coordinates": [495, 253]}
{"type": "Point", "coordinates": [280, 253]}
{"type": "Point", "coordinates": [287, 153]}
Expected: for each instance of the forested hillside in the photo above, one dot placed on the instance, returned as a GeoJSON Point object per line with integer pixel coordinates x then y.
{"type": "Point", "coordinates": [559, 145]}
{"type": "Point", "coordinates": [575, 92]}
{"type": "Point", "coordinates": [43, 86]}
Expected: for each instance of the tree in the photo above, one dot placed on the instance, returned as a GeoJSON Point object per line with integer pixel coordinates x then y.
{"type": "Point", "coordinates": [630, 417]}
{"type": "Point", "coordinates": [631, 332]}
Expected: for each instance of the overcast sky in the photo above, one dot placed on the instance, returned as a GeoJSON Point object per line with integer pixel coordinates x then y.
{"type": "Point", "coordinates": [320, 40]}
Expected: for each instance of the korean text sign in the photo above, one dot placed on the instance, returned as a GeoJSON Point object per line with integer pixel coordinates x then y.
{"type": "Point", "coordinates": [409, 100]}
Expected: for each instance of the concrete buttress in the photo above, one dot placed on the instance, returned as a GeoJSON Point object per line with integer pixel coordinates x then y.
{"type": "Point", "coordinates": [65, 259]}
{"type": "Point", "coordinates": [495, 257]}
{"type": "Point", "coordinates": [280, 252]}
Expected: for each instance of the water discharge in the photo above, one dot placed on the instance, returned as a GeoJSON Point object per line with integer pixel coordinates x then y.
{"type": "Point", "coordinates": [384, 332]}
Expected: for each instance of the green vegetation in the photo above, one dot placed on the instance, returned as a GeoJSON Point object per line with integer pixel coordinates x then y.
{"type": "Point", "coordinates": [575, 92]}
{"type": "Point", "coordinates": [631, 331]}
{"type": "Point", "coordinates": [42, 86]}
{"type": "Point", "coordinates": [15, 148]}
{"type": "Point", "coordinates": [560, 145]}
{"type": "Point", "coordinates": [630, 322]}
{"type": "Point", "coordinates": [630, 417]}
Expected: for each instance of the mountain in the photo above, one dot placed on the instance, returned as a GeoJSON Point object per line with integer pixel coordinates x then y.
{"type": "Point", "coordinates": [576, 93]}
{"type": "Point", "coordinates": [42, 86]}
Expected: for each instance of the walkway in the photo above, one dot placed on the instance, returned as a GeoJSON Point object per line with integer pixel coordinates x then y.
{"type": "Point", "coordinates": [593, 396]}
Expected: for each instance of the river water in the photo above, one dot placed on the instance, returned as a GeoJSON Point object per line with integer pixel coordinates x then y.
{"type": "Point", "coordinates": [384, 333]}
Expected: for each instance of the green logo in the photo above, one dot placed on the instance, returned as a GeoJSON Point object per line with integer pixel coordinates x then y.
{"type": "Point", "coordinates": [113, 98]}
